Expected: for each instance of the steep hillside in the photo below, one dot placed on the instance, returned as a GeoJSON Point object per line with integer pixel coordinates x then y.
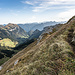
{"type": "Point", "coordinates": [54, 55]}
{"type": "Point", "coordinates": [35, 34]}
{"type": "Point", "coordinates": [5, 36]}
{"type": "Point", "coordinates": [11, 35]}
{"type": "Point", "coordinates": [16, 32]}
{"type": "Point", "coordinates": [46, 30]}
{"type": "Point", "coordinates": [13, 32]}
{"type": "Point", "coordinates": [30, 32]}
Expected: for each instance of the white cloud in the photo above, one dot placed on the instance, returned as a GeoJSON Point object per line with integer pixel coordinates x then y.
{"type": "Point", "coordinates": [66, 14]}
{"type": "Point", "coordinates": [43, 5]}
{"type": "Point", "coordinates": [30, 2]}
{"type": "Point", "coordinates": [52, 4]}
{"type": "Point", "coordinates": [37, 9]}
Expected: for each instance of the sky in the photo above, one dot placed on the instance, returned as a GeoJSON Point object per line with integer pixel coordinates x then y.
{"type": "Point", "coordinates": [29, 11]}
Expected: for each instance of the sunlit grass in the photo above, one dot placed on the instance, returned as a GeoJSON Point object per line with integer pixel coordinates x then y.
{"type": "Point", "coordinates": [8, 42]}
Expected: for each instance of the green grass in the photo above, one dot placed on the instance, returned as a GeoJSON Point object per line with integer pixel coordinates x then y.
{"type": "Point", "coordinates": [3, 60]}
{"type": "Point", "coordinates": [7, 42]}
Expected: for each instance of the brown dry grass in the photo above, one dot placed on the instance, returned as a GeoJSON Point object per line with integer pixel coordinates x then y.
{"type": "Point", "coordinates": [52, 56]}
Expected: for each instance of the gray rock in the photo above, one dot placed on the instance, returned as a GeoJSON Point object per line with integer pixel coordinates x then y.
{"type": "Point", "coordinates": [7, 71]}
{"type": "Point", "coordinates": [73, 39]}
{"type": "Point", "coordinates": [0, 67]}
{"type": "Point", "coordinates": [16, 62]}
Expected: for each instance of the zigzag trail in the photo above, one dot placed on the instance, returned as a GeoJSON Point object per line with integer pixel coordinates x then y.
{"type": "Point", "coordinates": [31, 47]}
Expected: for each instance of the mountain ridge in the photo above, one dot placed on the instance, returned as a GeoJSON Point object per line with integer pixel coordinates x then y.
{"type": "Point", "coordinates": [14, 32]}
{"type": "Point", "coordinates": [47, 57]}
{"type": "Point", "coordinates": [39, 26]}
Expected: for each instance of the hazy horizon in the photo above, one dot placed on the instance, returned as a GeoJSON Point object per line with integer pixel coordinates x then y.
{"type": "Point", "coordinates": [30, 11]}
{"type": "Point", "coordinates": [31, 22]}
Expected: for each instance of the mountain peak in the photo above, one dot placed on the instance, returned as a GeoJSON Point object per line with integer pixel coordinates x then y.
{"type": "Point", "coordinates": [71, 19]}
{"type": "Point", "coordinates": [10, 25]}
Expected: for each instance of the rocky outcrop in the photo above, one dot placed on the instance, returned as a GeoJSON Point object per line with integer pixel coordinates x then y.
{"type": "Point", "coordinates": [16, 62]}
{"type": "Point", "coordinates": [73, 39]}
{"type": "Point", "coordinates": [0, 67]}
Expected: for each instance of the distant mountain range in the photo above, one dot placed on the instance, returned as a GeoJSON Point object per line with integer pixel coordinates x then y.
{"type": "Point", "coordinates": [22, 32]}
{"type": "Point", "coordinates": [33, 26]}
{"type": "Point", "coordinates": [1, 25]}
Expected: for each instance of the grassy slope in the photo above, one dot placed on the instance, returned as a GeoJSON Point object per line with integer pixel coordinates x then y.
{"type": "Point", "coordinates": [53, 56]}
{"type": "Point", "coordinates": [8, 43]}
{"type": "Point", "coordinates": [15, 57]}
{"type": "Point", "coordinates": [5, 47]}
